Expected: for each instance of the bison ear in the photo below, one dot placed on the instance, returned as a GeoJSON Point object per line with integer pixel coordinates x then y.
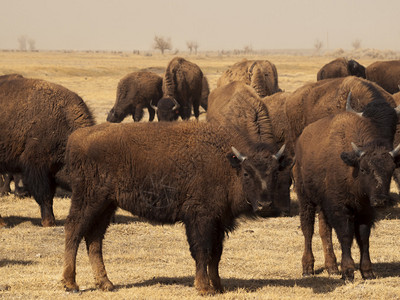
{"type": "Point", "coordinates": [350, 158]}
{"type": "Point", "coordinates": [234, 161]}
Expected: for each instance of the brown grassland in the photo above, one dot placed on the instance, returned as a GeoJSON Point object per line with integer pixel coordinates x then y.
{"type": "Point", "coordinates": [261, 258]}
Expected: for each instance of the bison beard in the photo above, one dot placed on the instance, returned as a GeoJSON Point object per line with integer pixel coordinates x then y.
{"type": "Point", "coordinates": [344, 181]}
{"type": "Point", "coordinates": [200, 182]}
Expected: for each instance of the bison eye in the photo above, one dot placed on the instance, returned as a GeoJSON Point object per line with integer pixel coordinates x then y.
{"type": "Point", "coordinates": [245, 174]}
{"type": "Point", "coordinates": [363, 171]}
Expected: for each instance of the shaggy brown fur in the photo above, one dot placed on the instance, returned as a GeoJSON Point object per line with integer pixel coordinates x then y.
{"type": "Point", "coordinates": [341, 67]}
{"type": "Point", "coordinates": [275, 105]}
{"type": "Point", "coordinates": [344, 183]}
{"type": "Point", "coordinates": [386, 74]}
{"type": "Point", "coordinates": [316, 100]}
{"type": "Point", "coordinates": [198, 182]}
{"type": "Point", "coordinates": [136, 91]}
{"type": "Point", "coordinates": [182, 90]}
{"type": "Point", "coordinates": [36, 118]}
{"type": "Point", "coordinates": [236, 105]}
{"type": "Point", "coordinates": [259, 74]}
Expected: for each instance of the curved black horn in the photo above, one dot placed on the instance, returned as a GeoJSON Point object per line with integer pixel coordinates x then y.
{"type": "Point", "coordinates": [238, 154]}
{"type": "Point", "coordinates": [357, 150]}
{"type": "Point", "coordinates": [177, 105]}
{"type": "Point", "coordinates": [349, 108]}
{"type": "Point", "coordinates": [395, 151]}
{"type": "Point", "coordinates": [278, 155]}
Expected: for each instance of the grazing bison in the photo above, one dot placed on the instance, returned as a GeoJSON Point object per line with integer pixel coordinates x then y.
{"type": "Point", "coordinates": [386, 74]}
{"type": "Point", "coordinates": [36, 118]}
{"type": "Point", "coordinates": [314, 101]}
{"type": "Point", "coordinates": [341, 67]}
{"type": "Point", "coordinates": [344, 165]}
{"type": "Point", "coordinates": [200, 182]}
{"type": "Point", "coordinates": [259, 74]}
{"type": "Point", "coordinates": [136, 91]}
{"type": "Point", "coordinates": [182, 90]}
{"type": "Point", "coordinates": [237, 105]}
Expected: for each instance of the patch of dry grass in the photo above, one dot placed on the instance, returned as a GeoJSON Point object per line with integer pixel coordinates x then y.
{"type": "Point", "coordinates": [261, 259]}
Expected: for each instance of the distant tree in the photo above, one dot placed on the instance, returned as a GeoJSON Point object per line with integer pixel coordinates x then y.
{"type": "Point", "coordinates": [162, 43]}
{"type": "Point", "coordinates": [318, 45]}
{"type": "Point", "coordinates": [195, 47]}
{"type": "Point", "coordinates": [356, 44]}
{"type": "Point", "coordinates": [247, 49]}
{"type": "Point", "coordinates": [22, 40]}
{"type": "Point", "coordinates": [192, 45]}
{"type": "Point", "coordinates": [32, 43]}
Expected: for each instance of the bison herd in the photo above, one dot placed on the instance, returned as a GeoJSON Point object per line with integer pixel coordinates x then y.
{"type": "Point", "coordinates": [334, 141]}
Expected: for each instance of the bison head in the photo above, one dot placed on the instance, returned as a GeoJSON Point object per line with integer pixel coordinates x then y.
{"type": "Point", "coordinates": [168, 109]}
{"type": "Point", "coordinates": [356, 69]}
{"type": "Point", "coordinates": [373, 170]}
{"type": "Point", "coordinates": [259, 173]}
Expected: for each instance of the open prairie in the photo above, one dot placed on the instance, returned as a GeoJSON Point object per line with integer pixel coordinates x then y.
{"type": "Point", "coordinates": [261, 258]}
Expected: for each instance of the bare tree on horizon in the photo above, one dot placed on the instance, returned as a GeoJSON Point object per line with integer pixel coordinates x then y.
{"type": "Point", "coordinates": [356, 44]}
{"type": "Point", "coordinates": [162, 43]}
{"type": "Point", "coordinates": [22, 40]}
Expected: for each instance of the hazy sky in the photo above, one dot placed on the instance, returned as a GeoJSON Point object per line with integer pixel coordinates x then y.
{"type": "Point", "coordinates": [214, 24]}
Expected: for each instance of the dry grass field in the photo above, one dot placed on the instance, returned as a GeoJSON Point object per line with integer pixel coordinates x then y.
{"type": "Point", "coordinates": [261, 259]}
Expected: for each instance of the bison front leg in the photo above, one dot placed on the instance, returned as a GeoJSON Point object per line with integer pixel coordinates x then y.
{"type": "Point", "coordinates": [362, 236]}
{"type": "Point", "coordinates": [325, 232]}
{"type": "Point", "coordinates": [94, 245]}
{"type": "Point", "coordinates": [215, 259]}
{"type": "Point", "coordinates": [199, 235]}
{"type": "Point", "coordinates": [344, 226]}
{"type": "Point", "coordinates": [42, 186]}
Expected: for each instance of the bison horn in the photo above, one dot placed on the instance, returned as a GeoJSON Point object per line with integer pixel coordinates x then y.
{"type": "Point", "coordinates": [397, 109]}
{"type": "Point", "coordinates": [395, 151]}
{"type": "Point", "coordinates": [153, 106]}
{"type": "Point", "coordinates": [357, 150]}
{"type": "Point", "coordinates": [176, 104]}
{"type": "Point", "coordinates": [349, 108]}
{"type": "Point", "coordinates": [238, 154]}
{"type": "Point", "coordinates": [278, 155]}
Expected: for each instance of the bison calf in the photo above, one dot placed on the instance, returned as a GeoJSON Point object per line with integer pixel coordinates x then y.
{"type": "Point", "coordinates": [200, 182]}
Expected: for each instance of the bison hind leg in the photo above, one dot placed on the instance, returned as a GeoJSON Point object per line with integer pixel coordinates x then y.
{"type": "Point", "coordinates": [94, 243]}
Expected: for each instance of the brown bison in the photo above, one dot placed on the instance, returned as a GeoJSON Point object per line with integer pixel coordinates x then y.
{"type": "Point", "coordinates": [182, 90]}
{"type": "Point", "coordinates": [136, 91]}
{"type": "Point", "coordinates": [344, 165]}
{"type": "Point", "coordinates": [36, 118]}
{"type": "Point", "coordinates": [202, 182]}
{"type": "Point", "coordinates": [386, 74]}
{"type": "Point", "coordinates": [259, 74]}
{"type": "Point", "coordinates": [237, 105]}
{"type": "Point", "coordinates": [314, 101]}
{"type": "Point", "coordinates": [341, 67]}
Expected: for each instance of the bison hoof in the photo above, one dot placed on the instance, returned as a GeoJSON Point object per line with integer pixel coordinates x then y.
{"type": "Point", "coordinates": [70, 286]}
{"type": "Point", "coordinates": [49, 223]}
{"type": "Point", "coordinates": [333, 270]}
{"type": "Point", "coordinates": [348, 275]}
{"type": "Point", "coordinates": [368, 274]}
{"type": "Point", "coordinates": [105, 285]}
